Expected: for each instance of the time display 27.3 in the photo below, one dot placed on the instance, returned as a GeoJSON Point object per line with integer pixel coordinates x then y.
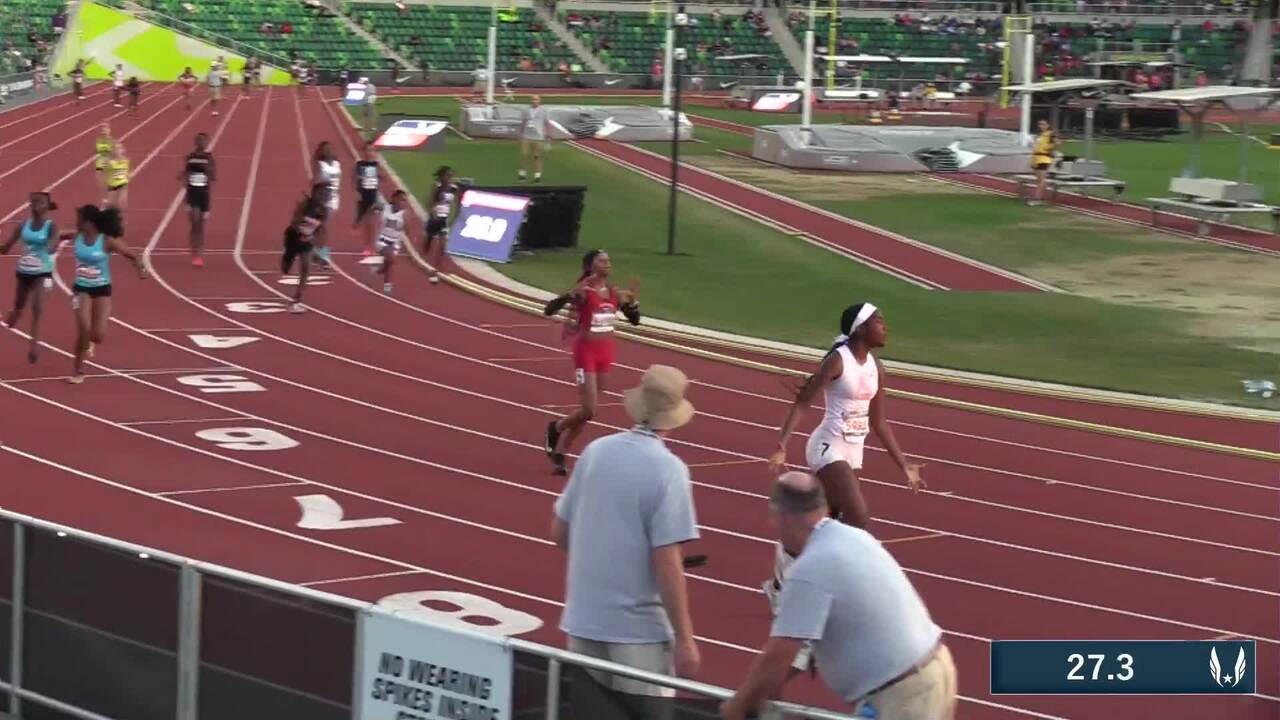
{"type": "Point", "coordinates": [1133, 667]}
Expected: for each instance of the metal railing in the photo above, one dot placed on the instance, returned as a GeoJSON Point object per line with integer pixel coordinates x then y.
{"type": "Point", "coordinates": [1090, 7]}
{"type": "Point", "coordinates": [195, 32]}
{"type": "Point", "coordinates": [102, 629]}
{"type": "Point", "coordinates": [1144, 9]}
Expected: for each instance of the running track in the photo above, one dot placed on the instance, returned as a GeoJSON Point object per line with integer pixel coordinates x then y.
{"type": "Point", "coordinates": [428, 407]}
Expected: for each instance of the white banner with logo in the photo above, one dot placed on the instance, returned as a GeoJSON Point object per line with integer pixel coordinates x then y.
{"type": "Point", "coordinates": [408, 670]}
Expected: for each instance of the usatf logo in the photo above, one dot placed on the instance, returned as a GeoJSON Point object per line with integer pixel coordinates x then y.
{"type": "Point", "coordinates": [1227, 680]}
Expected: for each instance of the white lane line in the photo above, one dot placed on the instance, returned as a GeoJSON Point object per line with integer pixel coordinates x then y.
{"type": "Point", "coordinates": [178, 421]}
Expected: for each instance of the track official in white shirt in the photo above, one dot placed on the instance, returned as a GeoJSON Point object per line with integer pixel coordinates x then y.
{"type": "Point", "coordinates": [874, 643]}
{"type": "Point", "coordinates": [533, 138]}
{"type": "Point", "coordinates": [623, 516]}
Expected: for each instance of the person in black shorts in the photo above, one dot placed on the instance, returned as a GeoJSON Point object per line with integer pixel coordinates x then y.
{"type": "Point", "coordinates": [34, 277]}
{"type": "Point", "coordinates": [198, 172]}
{"type": "Point", "coordinates": [77, 81]}
{"type": "Point", "coordinates": [135, 90]}
{"type": "Point", "coordinates": [443, 197]}
{"type": "Point", "coordinates": [305, 233]}
{"type": "Point", "coordinates": [368, 180]}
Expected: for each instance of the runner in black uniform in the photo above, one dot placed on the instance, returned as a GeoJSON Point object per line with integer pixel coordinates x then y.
{"type": "Point", "coordinates": [306, 231]}
{"type": "Point", "coordinates": [368, 178]}
{"type": "Point", "coordinates": [442, 198]}
{"type": "Point", "coordinates": [250, 69]}
{"type": "Point", "coordinates": [199, 173]}
{"type": "Point", "coordinates": [77, 81]}
{"type": "Point", "coordinates": [135, 89]}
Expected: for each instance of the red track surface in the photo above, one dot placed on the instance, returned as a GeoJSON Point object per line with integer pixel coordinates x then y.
{"type": "Point", "coordinates": [428, 408]}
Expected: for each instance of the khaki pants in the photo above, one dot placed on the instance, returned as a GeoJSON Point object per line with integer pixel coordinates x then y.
{"type": "Point", "coordinates": [929, 694]}
{"type": "Point", "coordinates": [537, 147]}
{"type": "Point", "coordinates": [597, 695]}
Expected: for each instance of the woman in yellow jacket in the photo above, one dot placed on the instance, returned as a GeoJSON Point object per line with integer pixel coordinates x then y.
{"type": "Point", "coordinates": [117, 178]}
{"type": "Point", "coordinates": [104, 148]}
{"type": "Point", "coordinates": [1042, 151]}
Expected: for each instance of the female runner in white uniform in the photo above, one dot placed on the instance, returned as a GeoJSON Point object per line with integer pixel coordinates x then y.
{"type": "Point", "coordinates": [328, 170]}
{"type": "Point", "coordinates": [853, 379]}
{"type": "Point", "coordinates": [390, 235]}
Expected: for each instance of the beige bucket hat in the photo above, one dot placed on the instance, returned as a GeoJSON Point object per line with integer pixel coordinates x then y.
{"type": "Point", "coordinates": [659, 400]}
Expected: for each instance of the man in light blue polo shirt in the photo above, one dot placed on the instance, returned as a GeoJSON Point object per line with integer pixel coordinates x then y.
{"type": "Point", "coordinates": [623, 516]}
{"type": "Point", "coordinates": [874, 643]}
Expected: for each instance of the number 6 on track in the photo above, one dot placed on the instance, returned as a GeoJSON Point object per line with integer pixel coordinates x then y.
{"type": "Point", "coordinates": [247, 438]}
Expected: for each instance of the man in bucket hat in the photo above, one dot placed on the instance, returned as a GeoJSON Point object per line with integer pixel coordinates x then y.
{"type": "Point", "coordinates": [623, 516]}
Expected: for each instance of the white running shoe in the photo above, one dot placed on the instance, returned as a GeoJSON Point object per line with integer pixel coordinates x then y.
{"type": "Point", "coordinates": [773, 594]}
{"type": "Point", "coordinates": [297, 308]}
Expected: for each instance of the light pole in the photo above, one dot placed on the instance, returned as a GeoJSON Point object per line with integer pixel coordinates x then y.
{"type": "Point", "coordinates": [678, 55]}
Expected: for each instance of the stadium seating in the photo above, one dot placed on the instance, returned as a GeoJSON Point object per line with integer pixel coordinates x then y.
{"type": "Point", "coordinates": [629, 42]}
{"type": "Point", "coordinates": [294, 28]}
{"type": "Point", "coordinates": [26, 26]}
{"type": "Point", "coordinates": [456, 38]}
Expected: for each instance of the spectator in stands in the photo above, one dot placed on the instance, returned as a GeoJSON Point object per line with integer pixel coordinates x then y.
{"type": "Point", "coordinates": [623, 517]}
{"type": "Point", "coordinates": [874, 642]}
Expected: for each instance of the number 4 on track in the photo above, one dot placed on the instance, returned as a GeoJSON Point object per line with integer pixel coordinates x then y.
{"type": "Point", "coordinates": [217, 342]}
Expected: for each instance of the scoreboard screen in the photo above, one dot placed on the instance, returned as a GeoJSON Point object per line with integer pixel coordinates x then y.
{"type": "Point", "coordinates": [487, 225]}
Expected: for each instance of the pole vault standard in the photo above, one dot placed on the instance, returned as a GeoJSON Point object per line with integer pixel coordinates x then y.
{"type": "Point", "coordinates": [678, 54]}
{"type": "Point", "coordinates": [491, 64]}
{"type": "Point", "coordinates": [668, 49]}
{"type": "Point", "coordinates": [806, 112]}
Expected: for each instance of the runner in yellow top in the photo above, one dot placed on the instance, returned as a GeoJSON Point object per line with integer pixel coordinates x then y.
{"type": "Point", "coordinates": [1042, 151]}
{"type": "Point", "coordinates": [117, 178]}
{"type": "Point", "coordinates": [104, 148]}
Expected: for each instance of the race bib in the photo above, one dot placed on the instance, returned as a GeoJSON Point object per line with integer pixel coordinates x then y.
{"type": "Point", "coordinates": [88, 272]}
{"type": "Point", "coordinates": [369, 183]}
{"type": "Point", "coordinates": [199, 180]}
{"type": "Point", "coordinates": [856, 424]}
{"type": "Point", "coordinates": [30, 263]}
{"type": "Point", "coordinates": [602, 321]}
{"type": "Point", "coordinates": [441, 210]}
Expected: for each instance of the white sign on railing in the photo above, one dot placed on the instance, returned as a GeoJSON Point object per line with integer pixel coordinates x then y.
{"type": "Point", "coordinates": [408, 670]}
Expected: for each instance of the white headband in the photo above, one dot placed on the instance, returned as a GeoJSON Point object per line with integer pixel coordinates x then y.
{"type": "Point", "coordinates": [863, 315]}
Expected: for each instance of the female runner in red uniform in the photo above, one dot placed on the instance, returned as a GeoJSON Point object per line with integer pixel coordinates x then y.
{"type": "Point", "coordinates": [595, 305]}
